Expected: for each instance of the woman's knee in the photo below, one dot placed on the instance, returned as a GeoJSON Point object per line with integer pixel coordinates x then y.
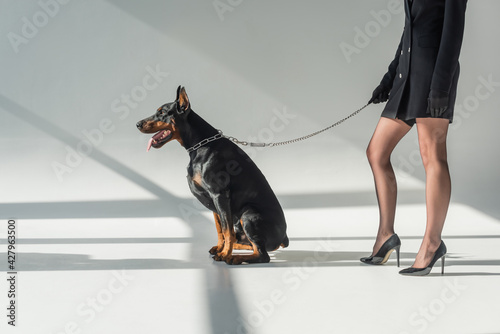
{"type": "Point", "coordinates": [432, 135]}
{"type": "Point", "coordinates": [433, 155]}
{"type": "Point", "coordinates": [377, 157]}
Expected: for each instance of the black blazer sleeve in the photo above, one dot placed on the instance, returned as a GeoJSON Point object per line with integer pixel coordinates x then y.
{"type": "Point", "coordinates": [388, 78]}
{"type": "Point", "coordinates": [451, 43]}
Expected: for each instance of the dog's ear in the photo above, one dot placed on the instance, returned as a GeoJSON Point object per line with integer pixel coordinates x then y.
{"type": "Point", "coordinates": [182, 99]}
{"type": "Point", "coordinates": [178, 93]}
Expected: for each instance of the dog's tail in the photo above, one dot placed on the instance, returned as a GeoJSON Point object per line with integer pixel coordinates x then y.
{"type": "Point", "coordinates": [285, 242]}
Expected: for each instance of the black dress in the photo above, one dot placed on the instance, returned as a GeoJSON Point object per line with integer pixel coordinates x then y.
{"type": "Point", "coordinates": [426, 59]}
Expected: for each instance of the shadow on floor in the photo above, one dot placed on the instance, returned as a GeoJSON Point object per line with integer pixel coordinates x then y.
{"type": "Point", "coordinates": [281, 258]}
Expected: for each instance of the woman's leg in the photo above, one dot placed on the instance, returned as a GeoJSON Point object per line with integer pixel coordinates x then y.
{"type": "Point", "coordinates": [387, 135]}
{"type": "Point", "coordinates": [432, 134]}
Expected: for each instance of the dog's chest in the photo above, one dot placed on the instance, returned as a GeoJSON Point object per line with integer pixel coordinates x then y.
{"type": "Point", "coordinates": [196, 186]}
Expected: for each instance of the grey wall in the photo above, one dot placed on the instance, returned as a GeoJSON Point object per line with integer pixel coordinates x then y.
{"type": "Point", "coordinates": [238, 62]}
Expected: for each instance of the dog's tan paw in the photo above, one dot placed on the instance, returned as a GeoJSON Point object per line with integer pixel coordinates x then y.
{"type": "Point", "coordinates": [218, 257]}
{"type": "Point", "coordinates": [214, 250]}
{"type": "Point", "coordinates": [234, 260]}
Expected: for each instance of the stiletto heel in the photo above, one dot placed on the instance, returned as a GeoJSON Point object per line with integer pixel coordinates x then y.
{"type": "Point", "coordinates": [442, 264]}
{"type": "Point", "coordinates": [440, 254]}
{"type": "Point", "coordinates": [397, 253]}
{"type": "Point", "coordinates": [393, 243]}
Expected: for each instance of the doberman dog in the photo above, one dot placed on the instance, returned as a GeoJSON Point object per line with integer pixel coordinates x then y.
{"type": "Point", "coordinates": [225, 180]}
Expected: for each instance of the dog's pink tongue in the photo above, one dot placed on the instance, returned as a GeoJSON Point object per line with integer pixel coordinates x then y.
{"type": "Point", "coordinates": [150, 143]}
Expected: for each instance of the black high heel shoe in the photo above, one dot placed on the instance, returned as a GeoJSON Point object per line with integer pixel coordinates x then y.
{"type": "Point", "coordinates": [440, 254]}
{"type": "Point", "coordinates": [383, 254]}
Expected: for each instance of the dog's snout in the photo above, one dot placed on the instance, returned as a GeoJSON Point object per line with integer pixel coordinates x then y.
{"type": "Point", "coordinates": [139, 124]}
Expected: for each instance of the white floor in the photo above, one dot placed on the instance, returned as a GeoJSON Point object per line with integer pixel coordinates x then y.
{"type": "Point", "coordinates": [117, 249]}
{"type": "Point", "coordinates": [118, 245]}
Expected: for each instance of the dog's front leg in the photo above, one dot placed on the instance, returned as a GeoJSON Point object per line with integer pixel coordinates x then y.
{"type": "Point", "coordinates": [222, 204]}
{"type": "Point", "coordinates": [220, 237]}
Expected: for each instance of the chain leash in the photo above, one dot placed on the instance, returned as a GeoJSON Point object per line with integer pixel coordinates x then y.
{"type": "Point", "coordinates": [220, 135]}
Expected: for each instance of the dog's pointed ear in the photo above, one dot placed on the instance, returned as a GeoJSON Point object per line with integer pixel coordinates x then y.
{"type": "Point", "coordinates": [182, 99]}
{"type": "Point", "coordinates": [178, 93]}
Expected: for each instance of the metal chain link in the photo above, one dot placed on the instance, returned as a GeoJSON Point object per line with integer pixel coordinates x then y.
{"type": "Point", "coordinates": [291, 141]}
{"type": "Point", "coordinates": [281, 143]}
{"type": "Point", "coordinates": [205, 141]}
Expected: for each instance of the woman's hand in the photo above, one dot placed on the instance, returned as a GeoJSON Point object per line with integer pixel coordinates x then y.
{"type": "Point", "coordinates": [380, 94]}
{"type": "Point", "coordinates": [438, 103]}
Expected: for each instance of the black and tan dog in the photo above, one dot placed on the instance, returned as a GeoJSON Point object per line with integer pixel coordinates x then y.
{"type": "Point", "coordinates": [225, 180]}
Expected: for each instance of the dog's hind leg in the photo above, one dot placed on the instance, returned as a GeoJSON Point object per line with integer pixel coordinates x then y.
{"type": "Point", "coordinates": [252, 224]}
{"type": "Point", "coordinates": [259, 255]}
{"type": "Point", "coordinates": [242, 242]}
{"type": "Point", "coordinates": [239, 246]}
{"type": "Point", "coordinates": [285, 242]}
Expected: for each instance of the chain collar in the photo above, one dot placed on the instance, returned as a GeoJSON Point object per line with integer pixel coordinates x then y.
{"type": "Point", "coordinates": [205, 141]}
{"type": "Point", "coordinates": [220, 135]}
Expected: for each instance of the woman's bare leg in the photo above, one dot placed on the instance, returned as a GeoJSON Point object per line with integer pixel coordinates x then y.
{"type": "Point", "coordinates": [432, 134]}
{"type": "Point", "coordinates": [387, 135]}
